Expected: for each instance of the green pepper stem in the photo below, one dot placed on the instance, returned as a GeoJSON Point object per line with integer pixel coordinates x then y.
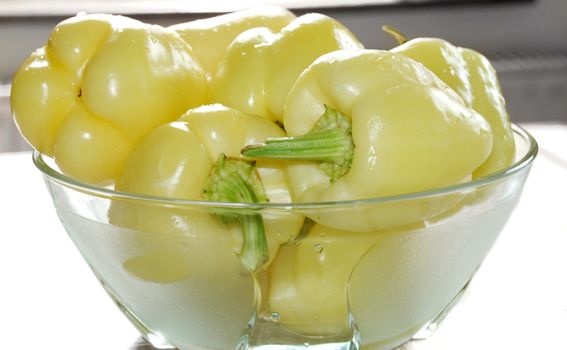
{"type": "Point", "coordinates": [329, 141]}
{"type": "Point", "coordinates": [237, 181]}
{"type": "Point", "coordinates": [325, 146]}
{"type": "Point", "coordinates": [254, 250]}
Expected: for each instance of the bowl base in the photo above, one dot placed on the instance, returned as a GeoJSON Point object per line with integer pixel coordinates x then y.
{"type": "Point", "coordinates": [266, 334]}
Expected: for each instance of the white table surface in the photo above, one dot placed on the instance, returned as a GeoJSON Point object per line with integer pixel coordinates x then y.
{"type": "Point", "coordinates": [49, 299]}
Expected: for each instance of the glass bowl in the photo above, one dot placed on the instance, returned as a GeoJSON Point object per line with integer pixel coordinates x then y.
{"type": "Point", "coordinates": [365, 274]}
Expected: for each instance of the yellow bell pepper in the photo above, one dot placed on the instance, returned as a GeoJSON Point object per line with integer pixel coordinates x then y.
{"type": "Point", "coordinates": [198, 158]}
{"type": "Point", "coordinates": [260, 66]}
{"type": "Point", "coordinates": [369, 123]}
{"type": "Point", "coordinates": [99, 84]}
{"type": "Point", "coordinates": [472, 76]}
{"type": "Point", "coordinates": [308, 281]}
{"type": "Point", "coordinates": [210, 37]}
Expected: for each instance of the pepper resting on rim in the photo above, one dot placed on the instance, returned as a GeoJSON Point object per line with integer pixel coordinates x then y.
{"type": "Point", "coordinates": [410, 133]}
{"type": "Point", "coordinates": [198, 158]}
{"type": "Point", "coordinates": [472, 76]}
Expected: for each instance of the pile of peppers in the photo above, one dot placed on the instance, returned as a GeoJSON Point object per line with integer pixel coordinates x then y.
{"type": "Point", "coordinates": [261, 106]}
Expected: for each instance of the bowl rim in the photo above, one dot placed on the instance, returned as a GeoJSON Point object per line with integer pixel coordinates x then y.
{"type": "Point", "coordinates": [56, 176]}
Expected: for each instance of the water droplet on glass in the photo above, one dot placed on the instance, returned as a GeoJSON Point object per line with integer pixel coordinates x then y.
{"type": "Point", "coordinates": [275, 317]}
{"type": "Point", "coordinates": [318, 247]}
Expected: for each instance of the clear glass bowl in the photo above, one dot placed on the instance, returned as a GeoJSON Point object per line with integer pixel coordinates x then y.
{"type": "Point", "coordinates": [389, 268]}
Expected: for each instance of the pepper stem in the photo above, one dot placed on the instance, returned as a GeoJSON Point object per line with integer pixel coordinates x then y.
{"type": "Point", "coordinates": [398, 36]}
{"type": "Point", "coordinates": [329, 141]}
{"type": "Point", "coordinates": [237, 181]}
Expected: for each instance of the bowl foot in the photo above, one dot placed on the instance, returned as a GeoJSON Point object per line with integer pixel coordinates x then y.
{"type": "Point", "coordinates": [264, 334]}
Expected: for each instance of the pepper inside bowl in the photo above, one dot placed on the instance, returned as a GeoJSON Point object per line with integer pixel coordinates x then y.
{"type": "Point", "coordinates": [177, 271]}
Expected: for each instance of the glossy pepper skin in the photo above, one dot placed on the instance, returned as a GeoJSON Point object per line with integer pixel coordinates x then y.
{"type": "Point", "coordinates": [260, 65]}
{"type": "Point", "coordinates": [309, 281]}
{"type": "Point", "coordinates": [210, 37]}
{"type": "Point", "coordinates": [472, 76]}
{"type": "Point", "coordinates": [175, 160]}
{"type": "Point", "coordinates": [99, 84]}
{"type": "Point", "coordinates": [410, 133]}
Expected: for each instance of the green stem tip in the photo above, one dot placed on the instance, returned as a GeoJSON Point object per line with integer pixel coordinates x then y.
{"type": "Point", "coordinates": [237, 181]}
{"type": "Point", "coordinates": [329, 141]}
{"type": "Point", "coordinates": [395, 33]}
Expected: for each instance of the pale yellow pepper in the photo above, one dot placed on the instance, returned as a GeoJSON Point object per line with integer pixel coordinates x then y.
{"type": "Point", "coordinates": [99, 84]}
{"type": "Point", "coordinates": [260, 66]}
{"type": "Point", "coordinates": [210, 37]}
{"type": "Point", "coordinates": [309, 280]}
{"type": "Point", "coordinates": [472, 76]}
{"type": "Point", "coordinates": [371, 124]}
{"type": "Point", "coordinates": [177, 160]}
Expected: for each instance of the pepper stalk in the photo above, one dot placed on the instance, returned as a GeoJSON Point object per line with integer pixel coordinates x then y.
{"type": "Point", "coordinates": [329, 141]}
{"type": "Point", "coordinates": [237, 181]}
{"type": "Point", "coordinates": [395, 33]}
